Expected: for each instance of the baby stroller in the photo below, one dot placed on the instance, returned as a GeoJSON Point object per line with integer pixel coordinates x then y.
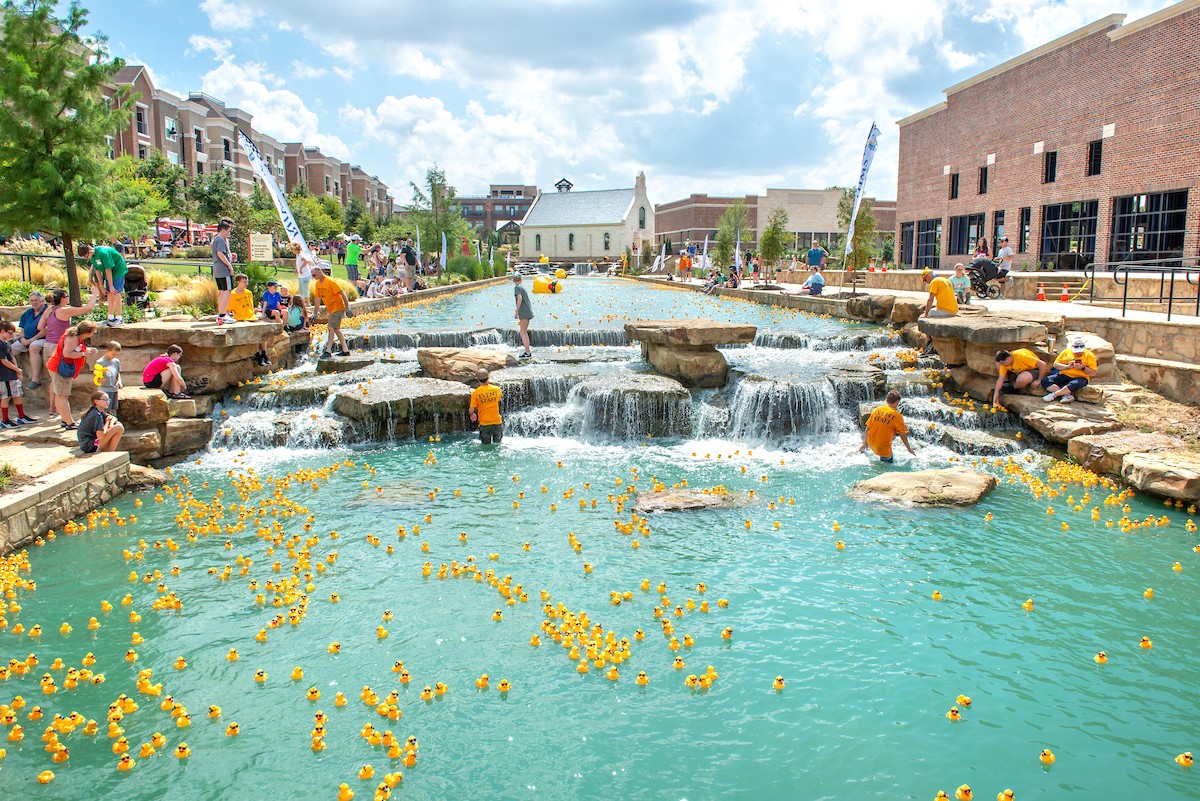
{"type": "Point", "coordinates": [136, 287]}
{"type": "Point", "coordinates": [982, 272]}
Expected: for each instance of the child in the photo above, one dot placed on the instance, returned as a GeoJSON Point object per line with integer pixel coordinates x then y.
{"type": "Point", "coordinates": [961, 284]}
{"type": "Point", "coordinates": [297, 317]}
{"type": "Point", "coordinates": [107, 373]}
{"type": "Point", "coordinates": [241, 300]}
{"type": "Point", "coordinates": [272, 303]}
{"type": "Point", "coordinates": [99, 430]}
{"type": "Point", "coordinates": [10, 379]}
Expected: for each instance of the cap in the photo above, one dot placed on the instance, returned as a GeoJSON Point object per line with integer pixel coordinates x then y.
{"type": "Point", "coordinates": [1077, 345]}
{"type": "Point", "coordinates": [481, 374]}
{"type": "Point", "coordinates": [272, 282]}
{"type": "Point", "coordinates": [927, 274]}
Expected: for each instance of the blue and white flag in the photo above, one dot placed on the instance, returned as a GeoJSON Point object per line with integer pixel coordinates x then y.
{"type": "Point", "coordinates": [260, 169]}
{"type": "Point", "coordinates": [737, 251]}
{"type": "Point", "coordinates": [868, 157]}
{"type": "Point", "coordinates": [508, 261]}
{"type": "Point", "coordinates": [420, 258]}
{"type": "Point", "coordinates": [479, 249]}
{"type": "Point", "coordinates": [442, 260]}
{"type": "Point", "coordinates": [704, 257]}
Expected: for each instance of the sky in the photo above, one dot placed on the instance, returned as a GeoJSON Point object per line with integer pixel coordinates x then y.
{"type": "Point", "coordinates": [725, 97]}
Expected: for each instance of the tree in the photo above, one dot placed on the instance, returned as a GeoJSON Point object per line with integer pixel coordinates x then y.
{"type": "Point", "coordinates": [865, 227]}
{"type": "Point", "coordinates": [435, 212]}
{"type": "Point", "coordinates": [773, 240]}
{"type": "Point", "coordinates": [54, 121]}
{"type": "Point", "coordinates": [312, 217]}
{"type": "Point", "coordinates": [729, 230]}
{"type": "Point", "coordinates": [356, 211]}
{"type": "Point", "coordinates": [137, 201]}
{"type": "Point", "coordinates": [166, 178]}
{"type": "Point", "coordinates": [212, 193]}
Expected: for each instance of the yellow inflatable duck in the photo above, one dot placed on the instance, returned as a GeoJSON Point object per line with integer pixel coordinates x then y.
{"type": "Point", "coordinates": [941, 796]}
{"type": "Point", "coordinates": [1047, 757]}
{"type": "Point", "coordinates": [214, 711]}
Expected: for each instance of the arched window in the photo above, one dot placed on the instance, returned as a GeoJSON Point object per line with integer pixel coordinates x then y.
{"type": "Point", "coordinates": [606, 240]}
{"type": "Point", "coordinates": [570, 241]}
{"type": "Point", "coordinates": [537, 242]}
{"type": "Point", "coordinates": [642, 217]}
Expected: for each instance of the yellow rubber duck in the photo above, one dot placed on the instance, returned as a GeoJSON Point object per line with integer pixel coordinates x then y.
{"type": "Point", "coordinates": [366, 772]}
{"type": "Point", "coordinates": [334, 647]}
{"type": "Point", "coordinates": [1101, 658]}
{"type": "Point", "coordinates": [126, 762]}
{"type": "Point", "coordinates": [937, 595]}
{"type": "Point", "coordinates": [1146, 643]}
{"type": "Point", "coordinates": [45, 777]}
{"type": "Point", "coordinates": [482, 682]}
{"type": "Point", "coordinates": [954, 714]}
{"type": "Point", "coordinates": [182, 751]}
{"type": "Point", "coordinates": [963, 793]}
{"type": "Point", "coordinates": [678, 663]}
{"type": "Point", "coordinates": [313, 694]}
{"type": "Point", "coordinates": [233, 655]}
{"type": "Point", "coordinates": [427, 693]}
{"type": "Point", "coordinates": [260, 676]}
{"type": "Point", "coordinates": [180, 663]}
{"type": "Point", "coordinates": [941, 796]}
{"type": "Point", "coordinates": [963, 700]}
{"type": "Point", "coordinates": [1185, 759]}
{"type": "Point", "coordinates": [1149, 593]}
{"type": "Point", "coordinates": [233, 730]}
{"type": "Point", "coordinates": [504, 686]}
{"type": "Point", "coordinates": [778, 684]}
{"type": "Point", "coordinates": [1047, 757]}
{"type": "Point", "coordinates": [339, 699]}
{"type": "Point", "coordinates": [1028, 605]}
{"type": "Point", "coordinates": [214, 711]}
{"type": "Point", "coordinates": [642, 679]}
{"type": "Point", "coordinates": [345, 793]}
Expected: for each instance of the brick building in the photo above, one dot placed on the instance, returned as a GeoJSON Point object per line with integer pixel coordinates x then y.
{"type": "Point", "coordinates": [1084, 149]}
{"type": "Point", "coordinates": [501, 210]}
{"type": "Point", "coordinates": [696, 216]}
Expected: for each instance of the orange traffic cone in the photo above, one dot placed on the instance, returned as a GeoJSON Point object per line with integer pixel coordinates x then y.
{"type": "Point", "coordinates": [1041, 292]}
{"type": "Point", "coordinates": [1066, 297]}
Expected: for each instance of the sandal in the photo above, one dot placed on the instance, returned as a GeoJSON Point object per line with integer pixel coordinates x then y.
{"type": "Point", "coordinates": [179, 396]}
{"type": "Point", "coordinates": [69, 426]}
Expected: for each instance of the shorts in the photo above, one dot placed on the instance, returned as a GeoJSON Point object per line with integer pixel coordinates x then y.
{"type": "Point", "coordinates": [118, 283]}
{"type": "Point", "coordinates": [60, 385]}
{"type": "Point", "coordinates": [17, 347]}
{"type": "Point", "coordinates": [154, 383]}
{"type": "Point", "coordinates": [224, 283]}
{"type": "Point", "coordinates": [113, 400]}
{"type": "Point", "coordinates": [89, 448]}
{"type": "Point", "coordinates": [888, 459]}
{"type": "Point", "coordinates": [489, 435]}
{"type": "Point", "coordinates": [1010, 381]}
{"type": "Point", "coordinates": [335, 318]}
{"type": "Point", "coordinates": [936, 312]}
{"type": "Point", "coordinates": [302, 283]}
{"type": "Point", "coordinates": [10, 389]}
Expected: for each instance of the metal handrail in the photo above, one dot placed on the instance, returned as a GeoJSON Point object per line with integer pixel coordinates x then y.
{"type": "Point", "coordinates": [26, 262]}
{"type": "Point", "coordinates": [1163, 288]}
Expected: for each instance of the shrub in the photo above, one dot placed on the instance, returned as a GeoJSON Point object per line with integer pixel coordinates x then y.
{"type": "Point", "coordinates": [199, 252]}
{"type": "Point", "coordinates": [198, 293]}
{"type": "Point", "coordinates": [130, 314]}
{"type": "Point", "coordinates": [158, 280]}
{"type": "Point", "coordinates": [465, 265]}
{"type": "Point", "coordinates": [16, 293]}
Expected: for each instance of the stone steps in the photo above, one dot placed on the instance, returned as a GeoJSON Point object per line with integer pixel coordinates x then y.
{"type": "Point", "coordinates": [1178, 381]}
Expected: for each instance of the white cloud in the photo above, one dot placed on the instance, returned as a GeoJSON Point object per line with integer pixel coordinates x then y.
{"type": "Point", "coordinates": [1035, 22]}
{"type": "Point", "coordinates": [956, 59]}
{"type": "Point", "coordinates": [301, 70]}
{"type": "Point", "coordinates": [228, 14]}
{"type": "Point", "coordinates": [345, 74]}
{"type": "Point", "coordinates": [199, 43]}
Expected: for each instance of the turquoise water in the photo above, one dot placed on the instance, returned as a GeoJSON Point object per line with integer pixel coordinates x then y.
{"type": "Point", "coordinates": [871, 662]}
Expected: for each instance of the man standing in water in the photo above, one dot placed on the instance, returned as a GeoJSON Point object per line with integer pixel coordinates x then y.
{"type": "Point", "coordinates": [882, 427]}
{"type": "Point", "coordinates": [524, 313]}
{"type": "Point", "coordinates": [485, 408]}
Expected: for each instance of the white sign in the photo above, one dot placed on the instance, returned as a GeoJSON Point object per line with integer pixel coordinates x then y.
{"type": "Point", "coordinates": [261, 247]}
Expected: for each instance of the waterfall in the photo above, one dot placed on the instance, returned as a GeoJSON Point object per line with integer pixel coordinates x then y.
{"type": "Point", "coordinates": [858, 341]}
{"type": "Point", "coordinates": [539, 421]}
{"type": "Point", "coordinates": [628, 407]}
{"type": "Point", "coordinates": [762, 409]}
{"type": "Point", "coordinates": [257, 429]}
{"type": "Point", "coordinates": [934, 410]}
{"type": "Point", "coordinates": [489, 337]}
{"type": "Point", "coordinates": [784, 340]}
{"type": "Point", "coordinates": [556, 337]}
{"type": "Point", "coordinates": [392, 340]}
{"type": "Point", "coordinates": [536, 385]}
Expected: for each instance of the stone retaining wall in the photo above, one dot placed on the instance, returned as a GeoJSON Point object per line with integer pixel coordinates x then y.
{"type": "Point", "coordinates": [59, 496]}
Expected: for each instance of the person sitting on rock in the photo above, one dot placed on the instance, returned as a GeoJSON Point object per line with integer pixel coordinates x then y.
{"type": "Point", "coordinates": [941, 293]}
{"type": "Point", "coordinates": [163, 373]}
{"type": "Point", "coordinates": [884, 425]}
{"type": "Point", "coordinates": [1018, 369]}
{"type": "Point", "coordinates": [1070, 373]}
{"type": "Point", "coordinates": [960, 282]}
{"type": "Point", "coordinates": [99, 431]}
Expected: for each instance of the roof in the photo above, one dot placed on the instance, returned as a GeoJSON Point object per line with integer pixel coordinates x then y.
{"type": "Point", "coordinates": [127, 74]}
{"type": "Point", "coordinates": [607, 206]}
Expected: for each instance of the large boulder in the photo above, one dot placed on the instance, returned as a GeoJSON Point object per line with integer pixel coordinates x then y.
{"type": "Point", "coordinates": [974, 339]}
{"type": "Point", "coordinates": [906, 311]}
{"type": "Point", "coordinates": [856, 381]}
{"type": "Point", "coordinates": [703, 366]}
{"type": "Point", "coordinates": [875, 308]}
{"type": "Point", "coordinates": [182, 436]}
{"type": "Point", "coordinates": [674, 500]}
{"type": "Point", "coordinates": [461, 364]}
{"type": "Point", "coordinates": [1106, 357]}
{"type": "Point", "coordinates": [1061, 422]}
{"type": "Point", "coordinates": [140, 407]}
{"type": "Point", "coordinates": [402, 407]}
{"type": "Point", "coordinates": [955, 486]}
{"type": "Point", "coordinates": [1104, 453]}
{"type": "Point", "coordinates": [633, 406]}
{"type": "Point", "coordinates": [1170, 474]}
{"type": "Point", "coordinates": [690, 332]}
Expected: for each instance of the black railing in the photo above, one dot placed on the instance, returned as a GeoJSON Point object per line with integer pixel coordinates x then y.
{"type": "Point", "coordinates": [1168, 271]}
{"type": "Point", "coordinates": [26, 260]}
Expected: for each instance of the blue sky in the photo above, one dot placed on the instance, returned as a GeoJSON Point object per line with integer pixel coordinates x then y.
{"type": "Point", "coordinates": [716, 96]}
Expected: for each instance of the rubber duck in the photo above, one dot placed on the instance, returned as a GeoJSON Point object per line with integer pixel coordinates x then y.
{"type": "Point", "coordinates": [963, 700]}
{"type": "Point", "coordinates": [233, 655]}
{"type": "Point", "coordinates": [504, 686]}
{"type": "Point", "coordinates": [778, 684]}
{"type": "Point", "coordinates": [1100, 658]}
{"type": "Point", "coordinates": [642, 679]}
{"type": "Point", "coordinates": [344, 792]}
{"type": "Point", "coordinates": [1146, 643]}
{"type": "Point", "coordinates": [157, 740]}
{"type": "Point", "coordinates": [582, 667]}
{"type": "Point", "coordinates": [1149, 593]}
{"type": "Point", "coordinates": [366, 772]}
{"type": "Point", "coordinates": [180, 663]}
{"type": "Point", "coordinates": [427, 693]}
{"type": "Point", "coordinates": [381, 633]}
{"type": "Point", "coordinates": [182, 751]}
{"type": "Point", "coordinates": [313, 694]}
{"type": "Point", "coordinates": [954, 714]}
{"type": "Point", "coordinates": [1177, 567]}
{"type": "Point", "coordinates": [941, 796]}
{"type": "Point", "coordinates": [678, 663]}
{"type": "Point", "coordinates": [214, 711]}
{"type": "Point", "coordinates": [482, 682]}
{"type": "Point", "coordinates": [261, 636]}
{"type": "Point", "coordinates": [1185, 759]}
{"type": "Point", "coordinates": [1047, 756]}
{"type": "Point", "coordinates": [497, 616]}
{"type": "Point", "coordinates": [146, 751]}
{"type": "Point", "coordinates": [334, 647]}
{"type": "Point", "coordinates": [339, 699]}
{"type": "Point", "coordinates": [131, 655]}
{"type": "Point", "coordinates": [126, 762]}
{"type": "Point", "coordinates": [937, 595]}
{"type": "Point", "coordinates": [260, 676]}
{"type": "Point", "coordinates": [45, 777]}
{"type": "Point", "coordinates": [88, 660]}
{"type": "Point", "coordinates": [963, 793]}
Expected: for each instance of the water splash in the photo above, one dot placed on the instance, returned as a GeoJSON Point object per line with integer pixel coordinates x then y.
{"type": "Point", "coordinates": [762, 410]}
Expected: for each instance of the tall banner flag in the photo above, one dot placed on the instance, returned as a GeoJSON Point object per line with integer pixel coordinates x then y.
{"type": "Point", "coordinates": [662, 257]}
{"type": "Point", "coordinates": [420, 256]}
{"type": "Point", "coordinates": [479, 249]}
{"type": "Point", "coordinates": [442, 261]}
{"type": "Point", "coordinates": [261, 170]}
{"type": "Point", "coordinates": [868, 157]}
{"type": "Point", "coordinates": [737, 251]}
{"type": "Point", "coordinates": [704, 259]}
{"type": "Point", "coordinates": [508, 262]}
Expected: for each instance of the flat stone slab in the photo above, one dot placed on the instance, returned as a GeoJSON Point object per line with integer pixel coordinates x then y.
{"type": "Point", "coordinates": [307, 390]}
{"type": "Point", "coordinates": [400, 398]}
{"type": "Point", "coordinates": [990, 329]}
{"type": "Point", "coordinates": [1169, 474]}
{"type": "Point", "coordinates": [955, 486]}
{"type": "Point", "coordinates": [1104, 453]}
{"type": "Point", "coordinates": [1060, 422]}
{"type": "Point", "coordinates": [690, 332]}
{"type": "Point", "coordinates": [569, 355]}
{"type": "Point", "coordinates": [675, 500]}
{"type": "Point", "coordinates": [462, 364]}
{"type": "Point", "coordinates": [186, 332]}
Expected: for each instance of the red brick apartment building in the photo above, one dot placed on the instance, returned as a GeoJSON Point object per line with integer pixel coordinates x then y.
{"type": "Point", "coordinates": [696, 215]}
{"type": "Point", "coordinates": [1086, 149]}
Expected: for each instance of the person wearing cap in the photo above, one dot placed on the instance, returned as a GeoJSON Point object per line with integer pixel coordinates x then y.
{"type": "Point", "coordinates": [1018, 369]}
{"type": "Point", "coordinates": [941, 293]}
{"type": "Point", "coordinates": [1070, 372]}
{"type": "Point", "coordinates": [1005, 257]}
{"type": "Point", "coordinates": [524, 313]}
{"type": "Point", "coordinates": [272, 303]}
{"type": "Point", "coordinates": [326, 291]}
{"type": "Point", "coordinates": [485, 409]}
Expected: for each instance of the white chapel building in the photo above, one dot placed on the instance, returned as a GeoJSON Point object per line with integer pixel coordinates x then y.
{"type": "Point", "coordinates": [579, 226]}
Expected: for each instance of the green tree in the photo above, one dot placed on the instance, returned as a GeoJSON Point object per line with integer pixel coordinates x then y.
{"type": "Point", "coordinates": [312, 217]}
{"type": "Point", "coordinates": [865, 227]}
{"type": "Point", "coordinates": [53, 124]}
{"type": "Point", "coordinates": [137, 201]}
{"type": "Point", "coordinates": [730, 228]}
{"type": "Point", "coordinates": [435, 212]}
{"type": "Point", "coordinates": [773, 240]}
{"type": "Point", "coordinates": [356, 211]}
{"type": "Point", "coordinates": [166, 178]}
{"type": "Point", "coordinates": [334, 210]}
{"type": "Point", "coordinates": [212, 193]}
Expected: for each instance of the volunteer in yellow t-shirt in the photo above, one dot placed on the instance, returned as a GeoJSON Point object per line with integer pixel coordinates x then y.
{"type": "Point", "coordinates": [241, 300]}
{"type": "Point", "coordinates": [1072, 370]}
{"type": "Point", "coordinates": [326, 291]}
{"type": "Point", "coordinates": [941, 293]}
{"type": "Point", "coordinates": [884, 424]}
{"type": "Point", "coordinates": [485, 407]}
{"type": "Point", "coordinates": [1018, 369]}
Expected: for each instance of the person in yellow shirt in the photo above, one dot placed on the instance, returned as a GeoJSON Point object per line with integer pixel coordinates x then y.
{"type": "Point", "coordinates": [884, 425]}
{"type": "Point", "coordinates": [1018, 369]}
{"type": "Point", "coordinates": [485, 408]}
{"type": "Point", "coordinates": [1071, 372]}
{"type": "Point", "coordinates": [241, 300]}
{"type": "Point", "coordinates": [326, 291]}
{"type": "Point", "coordinates": [940, 293]}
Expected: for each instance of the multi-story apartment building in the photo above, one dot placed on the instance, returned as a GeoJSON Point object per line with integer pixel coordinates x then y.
{"type": "Point", "coordinates": [501, 210]}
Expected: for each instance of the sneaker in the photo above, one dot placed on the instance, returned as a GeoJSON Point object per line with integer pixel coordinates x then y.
{"type": "Point", "coordinates": [9, 424]}
{"type": "Point", "coordinates": [340, 353]}
{"type": "Point", "coordinates": [34, 384]}
{"type": "Point", "coordinates": [116, 322]}
{"type": "Point", "coordinates": [220, 319]}
{"type": "Point", "coordinates": [27, 419]}
{"type": "Point", "coordinates": [266, 362]}
{"type": "Point", "coordinates": [526, 356]}
{"type": "Point", "coordinates": [1068, 398]}
{"type": "Point", "coordinates": [1049, 396]}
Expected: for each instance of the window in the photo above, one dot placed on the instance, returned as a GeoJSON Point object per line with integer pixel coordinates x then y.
{"type": "Point", "coordinates": [570, 241]}
{"type": "Point", "coordinates": [227, 149]}
{"type": "Point", "coordinates": [198, 135]}
{"type": "Point", "coordinates": [1069, 228]}
{"type": "Point", "coordinates": [964, 233]}
{"type": "Point", "coordinates": [108, 143]}
{"type": "Point", "coordinates": [997, 230]}
{"type": "Point", "coordinates": [142, 152]}
{"type": "Point", "coordinates": [1095, 157]}
{"type": "Point", "coordinates": [170, 128]}
{"type": "Point", "coordinates": [929, 243]}
{"type": "Point", "coordinates": [537, 242]}
{"type": "Point", "coordinates": [142, 126]}
{"type": "Point", "coordinates": [607, 241]}
{"type": "Point", "coordinates": [1149, 226]}
{"type": "Point", "coordinates": [1023, 235]}
{"type": "Point", "coordinates": [642, 217]}
{"type": "Point", "coordinates": [906, 243]}
{"type": "Point", "coordinates": [1050, 167]}
{"type": "Point", "coordinates": [173, 157]}
{"type": "Point", "coordinates": [983, 180]}
{"type": "Point", "coordinates": [199, 168]}
{"type": "Point", "coordinates": [337, 188]}
{"type": "Point", "coordinates": [327, 184]}
{"type": "Point", "coordinates": [954, 186]}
